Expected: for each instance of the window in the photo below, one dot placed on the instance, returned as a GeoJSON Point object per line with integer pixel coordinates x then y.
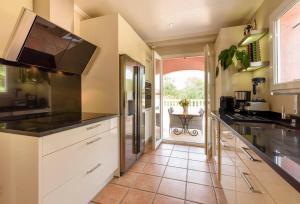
{"type": "Point", "coordinates": [285, 23]}
{"type": "Point", "coordinates": [2, 78]}
{"type": "Point", "coordinates": [288, 31]}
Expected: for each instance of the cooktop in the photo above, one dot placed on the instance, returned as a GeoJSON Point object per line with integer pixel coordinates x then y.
{"type": "Point", "coordinates": [42, 124]}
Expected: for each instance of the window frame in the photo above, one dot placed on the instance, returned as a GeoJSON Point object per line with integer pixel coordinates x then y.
{"type": "Point", "coordinates": [291, 87]}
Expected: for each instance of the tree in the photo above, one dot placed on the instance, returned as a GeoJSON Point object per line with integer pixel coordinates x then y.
{"type": "Point", "coordinates": [194, 89]}
{"type": "Point", "coordinates": [170, 90]}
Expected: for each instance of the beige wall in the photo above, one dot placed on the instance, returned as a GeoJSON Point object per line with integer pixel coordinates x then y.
{"type": "Point", "coordinates": [131, 43]}
{"type": "Point", "coordinates": [181, 50]}
{"type": "Point", "coordinates": [262, 19]}
{"type": "Point", "coordinates": [77, 19]}
{"type": "Point", "coordinates": [79, 15]}
{"type": "Point", "coordinates": [9, 13]}
{"type": "Point", "coordinates": [100, 85]}
{"type": "Point", "coordinates": [229, 80]}
{"type": "Point", "coordinates": [114, 36]}
{"type": "Point", "coordinates": [57, 11]}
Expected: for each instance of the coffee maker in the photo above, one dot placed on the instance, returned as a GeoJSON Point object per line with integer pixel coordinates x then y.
{"type": "Point", "coordinates": [241, 100]}
{"type": "Point", "coordinates": [258, 103]}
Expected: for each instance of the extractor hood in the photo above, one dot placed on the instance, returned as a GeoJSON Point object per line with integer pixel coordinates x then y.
{"type": "Point", "coordinates": [38, 42]}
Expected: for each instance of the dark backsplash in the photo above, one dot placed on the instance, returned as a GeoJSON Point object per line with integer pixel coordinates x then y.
{"type": "Point", "coordinates": [31, 89]}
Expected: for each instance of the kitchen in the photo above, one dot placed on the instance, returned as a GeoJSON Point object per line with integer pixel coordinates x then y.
{"type": "Point", "coordinates": [67, 97]}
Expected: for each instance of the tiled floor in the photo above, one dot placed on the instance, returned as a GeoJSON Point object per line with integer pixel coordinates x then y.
{"type": "Point", "coordinates": [170, 175]}
{"type": "Point", "coordinates": [185, 137]}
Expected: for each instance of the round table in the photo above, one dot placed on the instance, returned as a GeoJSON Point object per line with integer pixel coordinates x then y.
{"type": "Point", "coordinates": [185, 118]}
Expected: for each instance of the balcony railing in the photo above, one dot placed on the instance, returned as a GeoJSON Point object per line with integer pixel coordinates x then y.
{"type": "Point", "coordinates": [175, 103]}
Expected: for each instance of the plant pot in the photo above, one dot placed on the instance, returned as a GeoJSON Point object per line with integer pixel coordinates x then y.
{"type": "Point", "coordinates": [185, 109]}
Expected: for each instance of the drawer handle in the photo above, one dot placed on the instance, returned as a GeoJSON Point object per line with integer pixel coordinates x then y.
{"type": "Point", "coordinates": [93, 169]}
{"type": "Point", "coordinates": [244, 149]}
{"type": "Point", "coordinates": [93, 127]}
{"type": "Point", "coordinates": [251, 187]}
{"type": "Point", "coordinates": [93, 141]}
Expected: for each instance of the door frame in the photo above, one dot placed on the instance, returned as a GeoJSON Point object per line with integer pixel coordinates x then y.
{"type": "Point", "coordinates": [156, 143]}
{"type": "Point", "coordinates": [209, 95]}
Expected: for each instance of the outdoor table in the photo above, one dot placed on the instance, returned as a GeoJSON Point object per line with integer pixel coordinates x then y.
{"type": "Point", "coordinates": [185, 118]}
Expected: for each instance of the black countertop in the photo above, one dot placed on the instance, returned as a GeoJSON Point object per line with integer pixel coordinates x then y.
{"type": "Point", "coordinates": [43, 124]}
{"type": "Point", "coordinates": [277, 145]}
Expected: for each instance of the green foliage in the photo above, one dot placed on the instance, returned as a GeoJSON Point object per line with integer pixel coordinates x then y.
{"type": "Point", "coordinates": [194, 89]}
{"type": "Point", "coordinates": [243, 57]}
{"type": "Point", "coordinates": [170, 90]}
{"type": "Point", "coordinates": [226, 58]}
{"type": "Point", "coordinates": [184, 102]}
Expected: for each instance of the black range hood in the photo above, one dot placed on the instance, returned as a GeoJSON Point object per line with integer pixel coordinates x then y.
{"type": "Point", "coordinates": [40, 43]}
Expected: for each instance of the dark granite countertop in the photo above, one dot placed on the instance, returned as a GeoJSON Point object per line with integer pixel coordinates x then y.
{"type": "Point", "coordinates": [43, 124]}
{"type": "Point", "coordinates": [277, 145]}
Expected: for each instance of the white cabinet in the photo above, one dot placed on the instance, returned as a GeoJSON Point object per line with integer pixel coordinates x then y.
{"type": "Point", "coordinates": [242, 176]}
{"type": "Point", "coordinates": [70, 167]}
{"type": "Point", "coordinates": [273, 183]}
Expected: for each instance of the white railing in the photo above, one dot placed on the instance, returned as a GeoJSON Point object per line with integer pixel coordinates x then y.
{"type": "Point", "coordinates": [175, 102]}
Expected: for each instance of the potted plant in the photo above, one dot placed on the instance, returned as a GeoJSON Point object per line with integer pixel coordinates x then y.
{"type": "Point", "coordinates": [184, 103]}
{"type": "Point", "coordinates": [232, 55]}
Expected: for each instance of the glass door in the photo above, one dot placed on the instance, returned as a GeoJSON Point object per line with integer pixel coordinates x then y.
{"type": "Point", "coordinates": [157, 99]}
{"type": "Point", "coordinates": [209, 96]}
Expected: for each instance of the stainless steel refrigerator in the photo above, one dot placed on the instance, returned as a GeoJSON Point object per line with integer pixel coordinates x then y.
{"type": "Point", "coordinates": [132, 111]}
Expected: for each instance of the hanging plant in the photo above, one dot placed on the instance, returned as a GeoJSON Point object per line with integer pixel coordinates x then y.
{"type": "Point", "coordinates": [231, 55]}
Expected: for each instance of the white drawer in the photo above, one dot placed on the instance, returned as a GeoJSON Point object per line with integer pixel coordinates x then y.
{"type": "Point", "coordinates": [81, 188]}
{"type": "Point", "coordinates": [69, 193]}
{"type": "Point", "coordinates": [63, 165]}
{"type": "Point", "coordinates": [67, 138]}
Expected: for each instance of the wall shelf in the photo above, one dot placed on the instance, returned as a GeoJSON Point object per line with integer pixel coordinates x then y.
{"type": "Point", "coordinates": [253, 36]}
{"type": "Point", "coordinates": [255, 66]}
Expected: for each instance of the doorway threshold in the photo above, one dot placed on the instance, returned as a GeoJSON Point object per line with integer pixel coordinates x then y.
{"type": "Point", "coordinates": [172, 141]}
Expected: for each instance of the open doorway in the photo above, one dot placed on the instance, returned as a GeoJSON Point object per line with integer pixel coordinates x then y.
{"type": "Point", "coordinates": [183, 79]}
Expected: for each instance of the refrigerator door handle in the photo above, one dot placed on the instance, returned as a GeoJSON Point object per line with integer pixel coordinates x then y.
{"type": "Point", "coordinates": [134, 149]}
{"type": "Point", "coordinates": [136, 99]}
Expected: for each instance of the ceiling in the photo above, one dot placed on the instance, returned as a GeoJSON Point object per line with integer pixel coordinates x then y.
{"type": "Point", "coordinates": [193, 20]}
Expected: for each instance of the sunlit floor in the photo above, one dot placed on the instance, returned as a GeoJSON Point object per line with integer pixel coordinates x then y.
{"type": "Point", "coordinates": [185, 137]}
{"type": "Point", "coordinates": [173, 174]}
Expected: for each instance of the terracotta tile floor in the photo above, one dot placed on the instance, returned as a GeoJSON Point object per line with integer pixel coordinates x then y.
{"type": "Point", "coordinates": [170, 175]}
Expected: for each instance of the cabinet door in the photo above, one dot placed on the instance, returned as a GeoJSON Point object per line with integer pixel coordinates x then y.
{"type": "Point", "coordinates": [273, 183]}
{"type": "Point", "coordinates": [225, 196]}
{"type": "Point", "coordinates": [227, 141]}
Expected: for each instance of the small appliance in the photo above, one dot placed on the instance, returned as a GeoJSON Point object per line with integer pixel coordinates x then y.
{"type": "Point", "coordinates": [257, 106]}
{"type": "Point", "coordinates": [241, 99]}
{"type": "Point", "coordinates": [226, 104]}
{"type": "Point", "coordinates": [258, 87]}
